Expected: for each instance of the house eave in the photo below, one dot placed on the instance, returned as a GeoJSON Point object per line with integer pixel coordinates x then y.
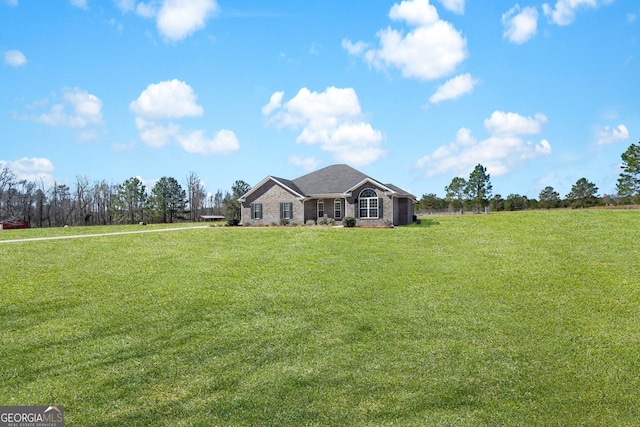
{"type": "Point", "coordinates": [373, 182]}
{"type": "Point", "coordinates": [243, 198]}
{"type": "Point", "coordinates": [326, 196]}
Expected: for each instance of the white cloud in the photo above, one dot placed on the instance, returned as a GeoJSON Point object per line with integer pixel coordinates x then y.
{"type": "Point", "coordinates": [125, 5]}
{"type": "Point", "coordinates": [167, 99]}
{"type": "Point", "coordinates": [274, 103]}
{"type": "Point", "coordinates": [564, 11]}
{"type": "Point", "coordinates": [331, 119]}
{"type": "Point", "coordinates": [500, 153]}
{"type": "Point", "coordinates": [454, 88]}
{"type": "Point", "coordinates": [12, 2]}
{"type": "Point", "coordinates": [88, 135]}
{"type": "Point", "coordinates": [34, 169]}
{"type": "Point", "coordinates": [431, 50]}
{"type": "Point", "coordinates": [224, 142]}
{"type": "Point", "coordinates": [307, 164]}
{"type": "Point", "coordinates": [354, 48]}
{"type": "Point", "coordinates": [156, 135]}
{"type": "Point", "coordinates": [146, 10]}
{"type": "Point", "coordinates": [455, 6]}
{"type": "Point", "coordinates": [520, 25]}
{"type": "Point", "coordinates": [78, 109]}
{"type": "Point", "coordinates": [14, 58]}
{"type": "Point", "coordinates": [178, 19]}
{"type": "Point", "coordinates": [161, 102]}
{"type": "Point", "coordinates": [415, 12]}
{"type": "Point", "coordinates": [512, 124]}
{"type": "Point", "coordinates": [82, 4]}
{"type": "Point", "coordinates": [631, 17]}
{"type": "Point", "coordinates": [611, 136]}
{"type": "Point", "coordinates": [175, 19]}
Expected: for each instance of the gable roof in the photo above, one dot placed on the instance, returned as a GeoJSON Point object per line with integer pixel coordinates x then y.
{"type": "Point", "coordinates": [284, 183]}
{"type": "Point", "coordinates": [331, 180]}
{"type": "Point", "coordinates": [335, 179]}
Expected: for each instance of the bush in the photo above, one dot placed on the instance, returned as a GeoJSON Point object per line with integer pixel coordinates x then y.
{"type": "Point", "coordinates": [322, 221]}
{"type": "Point", "coordinates": [284, 221]}
{"type": "Point", "coordinates": [233, 222]}
{"type": "Point", "coordinates": [310, 222]}
{"type": "Point", "coordinates": [349, 221]}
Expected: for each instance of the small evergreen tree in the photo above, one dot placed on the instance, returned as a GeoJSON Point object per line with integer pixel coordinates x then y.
{"type": "Point", "coordinates": [549, 198]}
{"type": "Point", "coordinates": [629, 181]}
{"type": "Point", "coordinates": [232, 204]}
{"type": "Point", "coordinates": [168, 199]}
{"type": "Point", "coordinates": [583, 194]}
{"type": "Point", "coordinates": [455, 193]}
{"type": "Point", "coordinates": [478, 189]}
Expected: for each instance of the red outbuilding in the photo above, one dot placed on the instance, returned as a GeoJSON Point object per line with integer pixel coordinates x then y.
{"type": "Point", "coordinates": [13, 224]}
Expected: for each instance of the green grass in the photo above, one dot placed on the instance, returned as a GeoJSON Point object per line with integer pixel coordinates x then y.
{"type": "Point", "coordinates": [522, 319]}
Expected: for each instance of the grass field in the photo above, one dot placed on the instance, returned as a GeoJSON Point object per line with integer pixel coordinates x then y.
{"type": "Point", "coordinates": [519, 319]}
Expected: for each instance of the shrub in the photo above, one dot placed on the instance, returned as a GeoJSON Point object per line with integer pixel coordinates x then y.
{"type": "Point", "coordinates": [326, 221]}
{"type": "Point", "coordinates": [310, 222]}
{"type": "Point", "coordinates": [349, 221]}
{"type": "Point", "coordinates": [284, 221]}
{"type": "Point", "coordinates": [233, 222]}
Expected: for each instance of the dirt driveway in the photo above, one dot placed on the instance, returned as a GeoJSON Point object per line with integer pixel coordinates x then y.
{"type": "Point", "coordinates": [115, 233]}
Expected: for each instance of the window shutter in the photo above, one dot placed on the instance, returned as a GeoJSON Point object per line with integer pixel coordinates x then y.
{"type": "Point", "coordinates": [290, 210]}
{"type": "Point", "coordinates": [357, 209]}
{"type": "Point", "coordinates": [281, 210]}
{"type": "Point", "coordinates": [380, 204]}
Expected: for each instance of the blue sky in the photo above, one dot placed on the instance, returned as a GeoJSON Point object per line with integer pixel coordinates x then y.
{"type": "Point", "coordinates": [412, 93]}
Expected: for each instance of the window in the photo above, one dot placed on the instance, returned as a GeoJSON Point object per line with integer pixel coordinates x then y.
{"type": "Point", "coordinates": [368, 203]}
{"type": "Point", "coordinates": [286, 210]}
{"type": "Point", "coordinates": [256, 211]}
{"type": "Point", "coordinates": [320, 208]}
{"type": "Point", "coordinates": [337, 209]}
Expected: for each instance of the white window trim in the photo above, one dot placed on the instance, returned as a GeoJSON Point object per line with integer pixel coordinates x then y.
{"type": "Point", "coordinates": [288, 212]}
{"type": "Point", "coordinates": [337, 213]}
{"type": "Point", "coordinates": [320, 202]}
{"type": "Point", "coordinates": [256, 211]}
{"type": "Point", "coordinates": [368, 204]}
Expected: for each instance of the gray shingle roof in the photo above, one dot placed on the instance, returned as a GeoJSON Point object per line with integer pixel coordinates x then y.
{"type": "Point", "coordinates": [331, 180]}
{"type": "Point", "coordinates": [399, 190]}
{"type": "Point", "coordinates": [289, 184]}
{"type": "Point", "coordinates": [335, 179]}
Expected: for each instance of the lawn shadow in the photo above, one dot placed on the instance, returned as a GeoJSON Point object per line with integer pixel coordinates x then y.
{"type": "Point", "coordinates": [426, 222]}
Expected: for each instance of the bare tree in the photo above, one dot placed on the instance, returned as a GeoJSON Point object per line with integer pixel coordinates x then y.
{"type": "Point", "coordinates": [102, 196]}
{"type": "Point", "coordinates": [26, 197]}
{"type": "Point", "coordinates": [41, 201]}
{"type": "Point", "coordinates": [218, 205]}
{"type": "Point", "coordinates": [196, 195]}
{"type": "Point", "coordinates": [7, 179]}
{"type": "Point", "coordinates": [82, 201]}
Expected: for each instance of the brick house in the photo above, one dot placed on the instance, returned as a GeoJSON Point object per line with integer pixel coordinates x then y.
{"type": "Point", "coordinates": [337, 192]}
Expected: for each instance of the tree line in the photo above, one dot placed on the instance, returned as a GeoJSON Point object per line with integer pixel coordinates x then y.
{"type": "Point", "coordinates": [101, 203]}
{"type": "Point", "coordinates": [475, 193]}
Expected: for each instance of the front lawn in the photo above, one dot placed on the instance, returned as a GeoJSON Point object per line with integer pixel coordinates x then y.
{"type": "Point", "coordinates": [519, 319]}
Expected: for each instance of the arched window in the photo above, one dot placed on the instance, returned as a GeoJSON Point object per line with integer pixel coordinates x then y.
{"type": "Point", "coordinates": [321, 208]}
{"type": "Point", "coordinates": [368, 203]}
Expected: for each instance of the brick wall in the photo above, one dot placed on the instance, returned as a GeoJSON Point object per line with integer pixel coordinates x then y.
{"type": "Point", "coordinates": [271, 195]}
